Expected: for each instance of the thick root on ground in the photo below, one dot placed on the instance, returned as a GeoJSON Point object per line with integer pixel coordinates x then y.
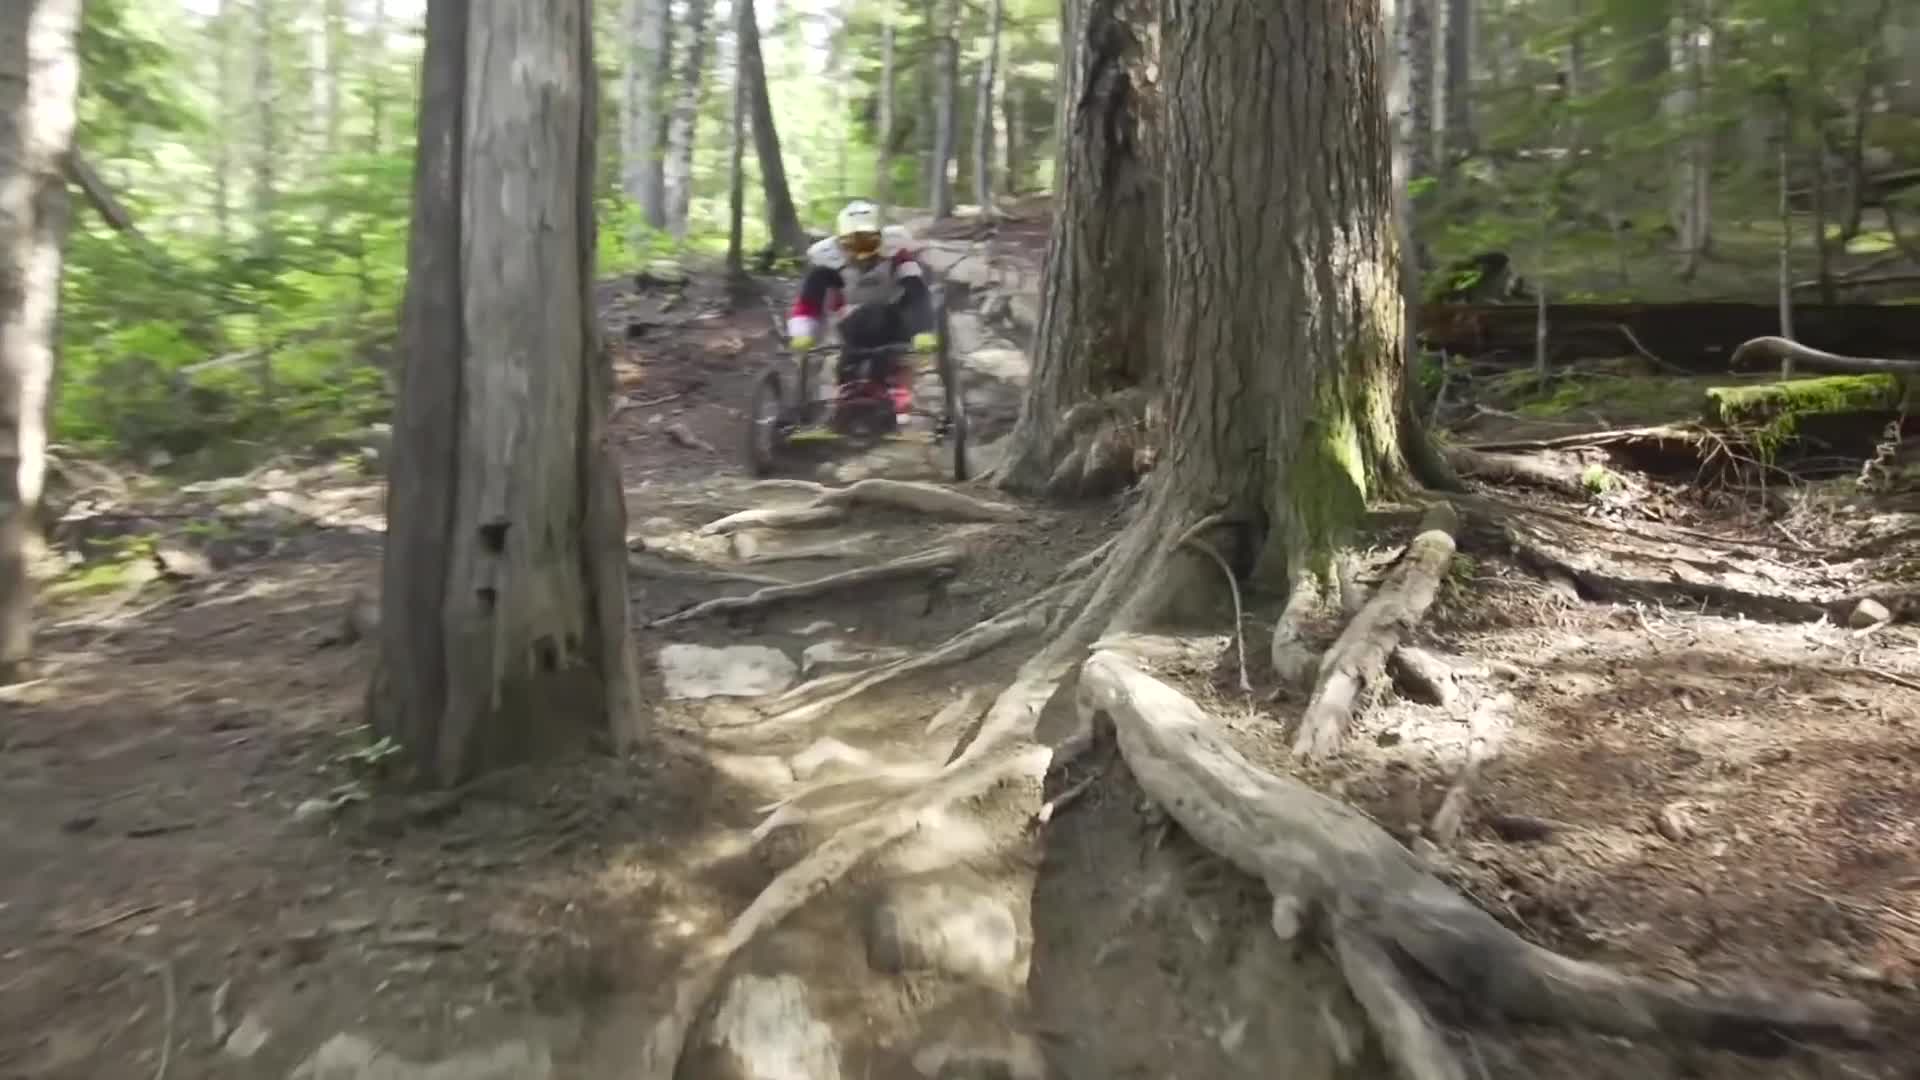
{"type": "Point", "coordinates": [933, 561]}
{"type": "Point", "coordinates": [1318, 854]}
{"type": "Point", "coordinates": [1552, 473]}
{"type": "Point", "coordinates": [1791, 354]}
{"type": "Point", "coordinates": [830, 506]}
{"type": "Point", "coordinates": [1358, 659]}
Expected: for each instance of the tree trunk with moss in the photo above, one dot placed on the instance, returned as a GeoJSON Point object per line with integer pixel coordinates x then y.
{"type": "Point", "coordinates": [1098, 337]}
{"type": "Point", "coordinates": [39, 80]}
{"type": "Point", "coordinates": [503, 630]}
{"type": "Point", "coordinates": [1284, 317]}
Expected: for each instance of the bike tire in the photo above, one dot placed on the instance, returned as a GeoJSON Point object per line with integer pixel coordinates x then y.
{"type": "Point", "coordinates": [766, 414]}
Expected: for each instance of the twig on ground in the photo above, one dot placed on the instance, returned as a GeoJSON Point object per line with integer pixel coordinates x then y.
{"type": "Point", "coordinates": [164, 969]}
{"type": "Point", "coordinates": [1063, 800]}
{"type": "Point", "coordinates": [1645, 352]}
{"type": "Point", "coordinates": [1239, 618]}
{"type": "Point", "coordinates": [115, 919]}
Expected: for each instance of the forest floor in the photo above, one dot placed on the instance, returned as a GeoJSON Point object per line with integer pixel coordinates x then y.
{"type": "Point", "coordinates": [205, 881]}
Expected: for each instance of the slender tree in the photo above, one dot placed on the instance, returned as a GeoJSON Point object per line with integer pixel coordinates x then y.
{"type": "Point", "coordinates": [39, 88]}
{"type": "Point", "coordinates": [736, 152]}
{"type": "Point", "coordinates": [983, 139]}
{"type": "Point", "coordinates": [503, 630]}
{"type": "Point", "coordinates": [883, 129]}
{"type": "Point", "coordinates": [645, 27]}
{"type": "Point", "coordinates": [946, 52]}
{"type": "Point", "coordinates": [686, 116]}
{"type": "Point", "coordinates": [266, 149]}
{"type": "Point", "coordinates": [783, 222]}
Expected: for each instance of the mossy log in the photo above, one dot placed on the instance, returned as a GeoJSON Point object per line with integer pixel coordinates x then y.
{"type": "Point", "coordinates": [1775, 410]}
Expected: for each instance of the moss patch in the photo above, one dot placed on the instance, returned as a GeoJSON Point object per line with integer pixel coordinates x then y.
{"type": "Point", "coordinates": [1626, 396]}
{"type": "Point", "coordinates": [1770, 413]}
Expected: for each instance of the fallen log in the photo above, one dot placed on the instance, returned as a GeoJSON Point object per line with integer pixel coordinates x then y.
{"type": "Point", "coordinates": [1694, 336]}
{"type": "Point", "coordinates": [1772, 413]}
{"type": "Point", "coordinates": [1538, 470]}
{"type": "Point", "coordinates": [1384, 909]}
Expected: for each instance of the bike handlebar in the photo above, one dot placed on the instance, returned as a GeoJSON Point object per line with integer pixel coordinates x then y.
{"type": "Point", "coordinates": [868, 350]}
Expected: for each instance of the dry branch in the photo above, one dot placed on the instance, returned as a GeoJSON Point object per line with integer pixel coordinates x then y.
{"type": "Point", "coordinates": [1318, 853]}
{"type": "Point", "coordinates": [1359, 657]}
{"type": "Point", "coordinates": [1551, 473]}
{"type": "Point", "coordinates": [932, 561]}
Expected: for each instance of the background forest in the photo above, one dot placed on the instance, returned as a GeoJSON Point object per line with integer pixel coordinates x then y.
{"type": "Point", "coordinates": [261, 152]}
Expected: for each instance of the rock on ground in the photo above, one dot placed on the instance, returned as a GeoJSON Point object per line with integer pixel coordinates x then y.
{"type": "Point", "coordinates": [699, 671]}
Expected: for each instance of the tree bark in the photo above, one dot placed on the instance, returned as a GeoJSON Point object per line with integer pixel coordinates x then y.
{"type": "Point", "coordinates": [503, 630]}
{"type": "Point", "coordinates": [783, 223]}
{"type": "Point", "coordinates": [644, 63]}
{"type": "Point", "coordinates": [1011, 100]}
{"type": "Point", "coordinates": [983, 141]}
{"type": "Point", "coordinates": [1418, 34]}
{"type": "Point", "coordinates": [946, 50]}
{"type": "Point", "coordinates": [376, 92]}
{"type": "Point", "coordinates": [1099, 323]}
{"type": "Point", "coordinates": [1453, 115]}
{"type": "Point", "coordinates": [39, 85]}
{"type": "Point", "coordinates": [686, 116]}
{"type": "Point", "coordinates": [1284, 317]}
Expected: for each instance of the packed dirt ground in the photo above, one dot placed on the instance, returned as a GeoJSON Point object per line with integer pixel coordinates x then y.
{"type": "Point", "coordinates": [1689, 769]}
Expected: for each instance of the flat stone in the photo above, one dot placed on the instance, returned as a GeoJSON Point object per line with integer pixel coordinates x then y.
{"type": "Point", "coordinates": [1868, 612]}
{"type": "Point", "coordinates": [943, 927]}
{"type": "Point", "coordinates": [692, 672]}
{"type": "Point", "coordinates": [350, 1057]}
{"type": "Point", "coordinates": [1010, 1057]}
{"type": "Point", "coordinates": [247, 1037]}
{"type": "Point", "coordinates": [766, 1026]}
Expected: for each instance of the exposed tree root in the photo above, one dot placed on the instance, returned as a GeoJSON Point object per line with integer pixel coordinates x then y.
{"type": "Point", "coordinates": [933, 561]}
{"type": "Point", "coordinates": [776, 517]}
{"type": "Point", "coordinates": [1791, 354]}
{"type": "Point", "coordinates": [1103, 446]}
{"type": "Point", "coordinates": [804, 880]}
{"type": "Point", "coordinates": [1293, 657]}
{"type": "Point", "coordinates": [830, 505]}
{"type": "Point", "coordinates": [1424, 677]}
{"type": "Point", "coordinates": [1359, 658]}
{"type": "Point", "coordinates": [650, 565]}
{"type": "Point", "coordinates": [1319, 855]}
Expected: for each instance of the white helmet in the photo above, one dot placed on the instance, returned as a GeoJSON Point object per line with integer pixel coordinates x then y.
{"type": "Point", "coordinates": [858, 229]}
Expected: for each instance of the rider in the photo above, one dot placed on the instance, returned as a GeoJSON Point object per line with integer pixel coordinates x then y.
{"type": "Point", "coordinates": [870, 276]}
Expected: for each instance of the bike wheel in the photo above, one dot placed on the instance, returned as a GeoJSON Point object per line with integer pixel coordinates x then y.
{"type": "Point", "coordinates": [766, 422]}
{"type": "Point", "coordinates": [954, 392]}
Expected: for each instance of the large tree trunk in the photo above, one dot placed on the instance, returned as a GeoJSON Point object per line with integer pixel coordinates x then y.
{"type": "Point", "coordinates": [39, 83]}
{"type": "Point", "coordinates": [1453, 115]}
{"type": "Point", "coordinates": [946, 54]}
{"type": "Point", "coordinates": [783, 223]}
{"type": "Point", "coordinates": [1099, 322]}
{"type": "Point", "coordinates": [983, 113]}
{"type": "Point", "coordinates": [686, 116]}
{"type": "Point", "coordinates": [643, 63]}
{"type": "Point", "coordinates": [503, 630]}
{"type": "Point", "coordinates": [1284, 316]}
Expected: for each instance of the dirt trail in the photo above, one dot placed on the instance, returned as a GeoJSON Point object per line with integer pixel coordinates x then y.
{"type": "Point", "coordinates": [1723, 794]}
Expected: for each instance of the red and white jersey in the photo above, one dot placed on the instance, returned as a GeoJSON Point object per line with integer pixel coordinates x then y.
{"type": "Point", "coordinates": [835, 284]}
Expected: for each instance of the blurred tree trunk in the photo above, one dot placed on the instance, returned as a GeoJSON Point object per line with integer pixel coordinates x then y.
{"type": "Point", "coordinates": [1692, 177]}
{"type": "Point", "coordinates": [1453, 115]}
{"type": "Point", "coordinates": [644, 61]}
{"type": "Point", "coordinates": [39, 89]}
{"type": "Point", "coordinates": [737, 148]}
{"type": "Point", "coordinates": [503, 630]}
{"type": "Point", "coordinates": [946, 49]}
{"type": "Point", "coordinates": [983, 140]}
{"type": "Point", "coordinates": [1419, 39]}
{"type": "Point", "coordinates": [221, 24]}
{"type": "Point", "coordinates": [266, 148]}
{"type": "Point", "coordinates": [686, 116]}
{"type": "Point", "coordinates": [883, 134]}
